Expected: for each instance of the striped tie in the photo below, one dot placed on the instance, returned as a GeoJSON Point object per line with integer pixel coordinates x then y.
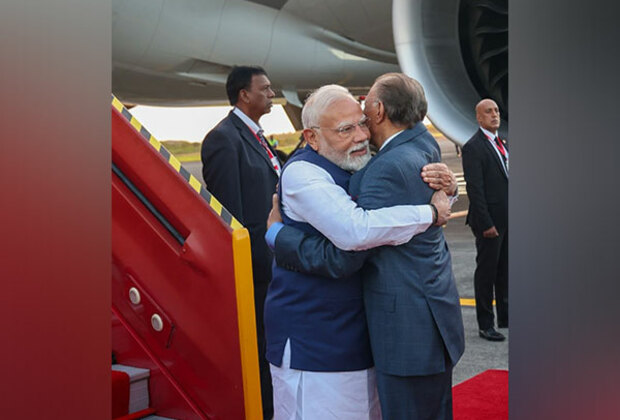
{"type": "Point", "coordinates": [274, 159]}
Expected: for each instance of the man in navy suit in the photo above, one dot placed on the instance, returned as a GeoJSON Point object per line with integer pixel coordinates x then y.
{"type": "Point", "coordinates": [485, 165]}
{"type": "Point", "coordinates": [411, 302]}
{"type": "Point", "coordinates": [241, 170]}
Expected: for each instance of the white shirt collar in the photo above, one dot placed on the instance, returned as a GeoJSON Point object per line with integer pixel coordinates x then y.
{"type": "Point", "coordinates": [491, 138]}
{"type": "Point", "coordinates": [251, 124]}
{"type": "Point", "coordinates": [389, 139]}
{"type": "Point", "coordinates": [488, 133]}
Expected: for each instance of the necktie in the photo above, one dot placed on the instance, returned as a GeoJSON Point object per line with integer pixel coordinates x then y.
{"type": "Point", "coordinates": [274, 159]}
{"type": "Point", "coordinates": [500, 147]}
{"type": "Point", "coordinates": [502, 151]}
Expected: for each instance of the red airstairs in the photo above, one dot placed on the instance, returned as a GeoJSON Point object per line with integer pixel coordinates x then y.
{"type": "Point", "coordinates": [182, 294]}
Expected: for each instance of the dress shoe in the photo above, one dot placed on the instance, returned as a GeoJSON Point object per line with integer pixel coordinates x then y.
{"type": "Point", "coordinates": [491, 335]}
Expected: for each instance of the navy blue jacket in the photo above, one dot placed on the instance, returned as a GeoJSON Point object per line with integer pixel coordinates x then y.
{"type": "Point", "coordinates": [240, 175]}
{"type": "Point", "coordinates": [323, 318]}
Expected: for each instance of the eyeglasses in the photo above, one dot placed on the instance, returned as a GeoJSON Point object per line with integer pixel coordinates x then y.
{"type": "Point", "coordinates": [346, 130]}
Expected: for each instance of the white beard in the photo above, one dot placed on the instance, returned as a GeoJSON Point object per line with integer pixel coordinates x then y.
{"type": "Point", "coordinates": [346, 161]}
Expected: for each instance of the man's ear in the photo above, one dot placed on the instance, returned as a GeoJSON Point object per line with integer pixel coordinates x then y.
{"type": "Point", "coordinates": [311, 138]}
{"type": "Point", "coordinates": [244, 96]}
{"type": "Point", "coordinates": [379, 112]}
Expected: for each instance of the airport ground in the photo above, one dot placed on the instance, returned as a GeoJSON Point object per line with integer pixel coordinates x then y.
{"type": "Point", "coordinates": [480, 354]}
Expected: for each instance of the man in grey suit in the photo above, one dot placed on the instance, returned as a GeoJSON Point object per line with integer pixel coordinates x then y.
{"type": "Point", "coordinates": [412, 305]}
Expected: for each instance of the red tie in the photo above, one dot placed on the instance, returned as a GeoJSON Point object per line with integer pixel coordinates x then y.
{"type": "Point", "coordinates": [274, 160]}
{"type": "Point", "coordinates": [500, 147]}
{"type": "Point", "coordinates": [502, 151]}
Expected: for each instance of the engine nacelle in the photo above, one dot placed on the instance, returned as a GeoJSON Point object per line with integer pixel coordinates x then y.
{"type": "Point", "coordinates": [458, 50]}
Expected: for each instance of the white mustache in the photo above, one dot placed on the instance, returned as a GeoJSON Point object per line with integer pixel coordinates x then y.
{"type": "Point", "coordinates": [360, 147]}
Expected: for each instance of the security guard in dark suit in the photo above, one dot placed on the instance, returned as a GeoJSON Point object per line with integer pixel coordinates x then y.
{"type": "Point", "coordinates": [241, 170]}
{"type": "Point", "coordinates": [485, 164]}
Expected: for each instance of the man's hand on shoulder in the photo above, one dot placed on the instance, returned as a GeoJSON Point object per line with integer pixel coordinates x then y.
{"type": "Point", "coordinates": [439, 177]}
{"type": "Point", "coordinates": [490, 232]}
{"type": "Point", "coordinates": [442, 204]}
{"type": "Point", "coordinates": [274, 214]}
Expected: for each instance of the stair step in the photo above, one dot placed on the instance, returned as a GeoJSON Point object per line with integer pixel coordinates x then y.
{"type": "Point", "coordinates": [138, 386]}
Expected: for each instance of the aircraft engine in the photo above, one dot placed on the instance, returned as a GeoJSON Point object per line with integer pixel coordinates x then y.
{"type": "Point", "coordinates": [458, 50]}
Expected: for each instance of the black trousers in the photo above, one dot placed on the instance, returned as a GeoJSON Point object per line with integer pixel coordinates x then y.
{"type": "Point", "coordinates": [491, 275]}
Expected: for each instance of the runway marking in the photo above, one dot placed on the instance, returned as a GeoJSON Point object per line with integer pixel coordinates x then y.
{"type": "Point", "coordinates": [468, 302]}
{"type": "Point", "coordinates": [471, 302]}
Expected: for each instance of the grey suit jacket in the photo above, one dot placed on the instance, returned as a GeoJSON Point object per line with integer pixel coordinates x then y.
{"type": "Point", "coordinates": [412, 305]}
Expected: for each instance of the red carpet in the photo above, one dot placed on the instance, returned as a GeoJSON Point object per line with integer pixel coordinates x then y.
{"type": "Point", "coordinates": [483, 397]}
{"type": "Point", "coordinates": [120, 393]}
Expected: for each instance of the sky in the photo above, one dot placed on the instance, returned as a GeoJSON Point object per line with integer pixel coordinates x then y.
{"type": "Point", "coordinates": [193, 123]}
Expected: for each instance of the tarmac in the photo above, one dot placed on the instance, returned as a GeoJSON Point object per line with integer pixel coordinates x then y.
{"type": "Point", "coordinates": [480, 354]}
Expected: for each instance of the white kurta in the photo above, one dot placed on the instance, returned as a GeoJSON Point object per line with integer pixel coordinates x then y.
{"type": "Point", "coordinates": [305, 395]}
{"type": "Point", "coordinates": [309, 194]}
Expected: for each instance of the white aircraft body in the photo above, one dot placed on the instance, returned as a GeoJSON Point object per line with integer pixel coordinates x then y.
{"type": "Point", "coordinates": [179, 52]}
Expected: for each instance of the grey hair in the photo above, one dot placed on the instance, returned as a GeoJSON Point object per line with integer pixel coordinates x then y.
{"type": "Point", "coordinates": [402, 97]}
{"type": "Point", "coordinates": [318, 101]}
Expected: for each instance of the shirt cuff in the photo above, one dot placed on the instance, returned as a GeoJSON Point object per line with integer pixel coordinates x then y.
{"type": "Point", "coordinates": [454, 198]}
{"type": "Point", "coordinates": [426, 216]}
{"type": "Point", "coordinates": [272, 232]}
